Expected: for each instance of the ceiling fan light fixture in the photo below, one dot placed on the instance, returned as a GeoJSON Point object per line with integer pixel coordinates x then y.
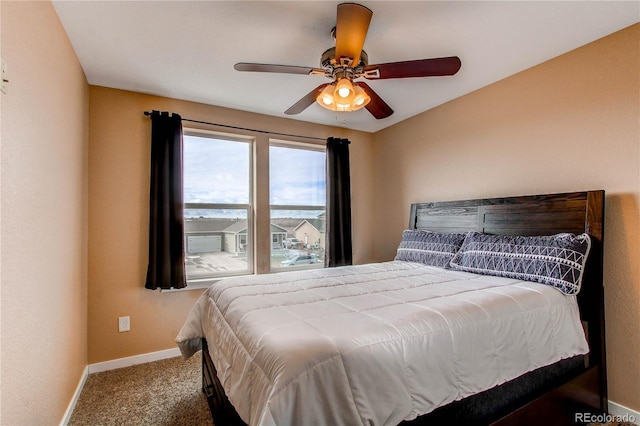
{"type": "Point", "coordinates": [344, 107]}
{"type": "Point", "coordinates": [325, 98]}
{"type": "Point", "coordinates": [344, 89]}
{"type": "Point", "coordinates": [331, 98]}
{"type": "Point", "coordinates": [361, 98]}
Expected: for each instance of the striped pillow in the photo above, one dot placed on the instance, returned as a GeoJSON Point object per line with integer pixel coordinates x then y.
{"type": "Point", "coordinates": [557, 260]}
{"type": "Point", "coordinates": [429, 248]}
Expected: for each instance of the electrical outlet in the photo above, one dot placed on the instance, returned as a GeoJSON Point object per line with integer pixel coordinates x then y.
{"type": "Point", "coordinates": [124, 324]}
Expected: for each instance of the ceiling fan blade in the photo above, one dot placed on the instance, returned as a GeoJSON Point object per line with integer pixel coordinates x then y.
{"type": "Point", "coordinates": [351, 30]}
{"type": "Point", "coordinates": [418, 68]}
{"type": "Point", "coordinates": [286, 69]}
{"type": "Point", "coordinates": [376, 106]}
{"type": "Point", "coordinates": [306, 101]}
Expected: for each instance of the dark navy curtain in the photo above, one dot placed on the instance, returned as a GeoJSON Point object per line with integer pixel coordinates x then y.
{"type": "Point", "coordinates": [166, 206]}
{"type": "Point", "coordinates": [338, 236]}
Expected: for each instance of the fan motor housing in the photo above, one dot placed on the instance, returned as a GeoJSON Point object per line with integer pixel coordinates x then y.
{"type": "Point", "coordinates": [329, 60]}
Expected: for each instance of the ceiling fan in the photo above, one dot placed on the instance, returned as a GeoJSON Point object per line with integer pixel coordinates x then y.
{"type": "Point", "coordinates": [347, 62]}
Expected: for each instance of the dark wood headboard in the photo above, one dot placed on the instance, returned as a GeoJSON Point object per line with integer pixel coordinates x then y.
{"type": "Point", "coordinates": [548, 214]}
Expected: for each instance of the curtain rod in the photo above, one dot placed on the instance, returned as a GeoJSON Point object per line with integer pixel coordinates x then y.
{"type": "Point", "coordinates": [148, 113]}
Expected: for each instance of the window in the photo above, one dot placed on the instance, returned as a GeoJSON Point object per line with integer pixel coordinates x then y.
{"type": "Point", "coordinates": [297, 184]}
{"type": "Point", "coordinates": [217, 197]}
{"type": "Point", "coordinates": [221, 205]}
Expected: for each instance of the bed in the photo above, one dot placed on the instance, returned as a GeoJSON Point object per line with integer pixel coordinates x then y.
{"type": "Point", "coordinates": [409, 342]}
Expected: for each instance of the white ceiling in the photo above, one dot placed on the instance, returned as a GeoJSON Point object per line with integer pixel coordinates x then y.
{"type": "Point", "coordinates": [187, 49]}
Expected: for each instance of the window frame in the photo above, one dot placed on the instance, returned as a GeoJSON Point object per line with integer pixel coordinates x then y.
{"type": "Point", "coordinates": [308, 147]}
{"type": "Point", "coordinates": [205, 281]}
{"type": "Point", "coordinates": [258, 257]}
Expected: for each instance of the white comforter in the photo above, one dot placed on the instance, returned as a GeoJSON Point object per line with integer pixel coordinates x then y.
{"type": "Point", "coordinates": [374, 344]}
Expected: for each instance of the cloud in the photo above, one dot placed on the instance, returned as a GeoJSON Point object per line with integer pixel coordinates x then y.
{"type": "Point", "coordinates": [297, 176]}
{"type": "Point", "coordinates": [217, 171]}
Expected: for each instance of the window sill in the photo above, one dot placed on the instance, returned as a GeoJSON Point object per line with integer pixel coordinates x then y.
{"type": "Point", "coordinates": [203, 284]}
{"type": "Point", "coordinates": [193, 285]}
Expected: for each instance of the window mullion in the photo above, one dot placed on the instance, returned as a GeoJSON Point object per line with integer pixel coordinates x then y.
{"type": "Point", "coordinates": [216, 206]}
{"type": "Point", "coordinates": [296, 207]}
{"type": "Point", "coordinates": [262, 222]}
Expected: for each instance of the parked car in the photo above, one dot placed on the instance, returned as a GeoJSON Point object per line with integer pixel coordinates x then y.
{"type": "Point", "coordinates": [292, 243]}
{"type": "Point", "coordinates": [301, 259]}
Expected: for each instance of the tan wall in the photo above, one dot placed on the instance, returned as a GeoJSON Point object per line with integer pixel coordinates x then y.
{"type": "Point", "coordinates": [118, 215]}
{"type": "Point", "coordinates": [44, 217]}
{"type": "Point", "coordinates": [570, 124]}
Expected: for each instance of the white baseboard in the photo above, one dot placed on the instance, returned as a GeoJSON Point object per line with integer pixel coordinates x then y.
{"type": "Point", "coordinates": [76, 395]}
{"type": "Point", "coordinates": [133, 360]}
{"type": "Point", "coordinates": [623, 413]}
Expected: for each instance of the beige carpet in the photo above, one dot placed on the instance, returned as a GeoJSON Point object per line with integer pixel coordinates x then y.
{"type": "Point", "coordinates": [165, 392]}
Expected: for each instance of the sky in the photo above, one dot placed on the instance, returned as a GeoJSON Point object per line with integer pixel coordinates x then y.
{"type": "Point", "coordinates": [217, 171]}
{"type": "Point", "coordinates": [296, 176]}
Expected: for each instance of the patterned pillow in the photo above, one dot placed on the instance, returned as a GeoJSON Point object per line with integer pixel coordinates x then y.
{"type": "Point", "coordinates": [430, 248]}
{"type": "Point", "coordinates": [557, 260]}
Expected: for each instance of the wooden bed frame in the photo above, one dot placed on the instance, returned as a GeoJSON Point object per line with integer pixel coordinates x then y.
{"type": "Point", "coordinates": [583, 391]}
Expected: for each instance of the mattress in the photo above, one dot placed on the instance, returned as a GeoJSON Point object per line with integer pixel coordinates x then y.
{"type": "Point", "coordinates": [374, 344]}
